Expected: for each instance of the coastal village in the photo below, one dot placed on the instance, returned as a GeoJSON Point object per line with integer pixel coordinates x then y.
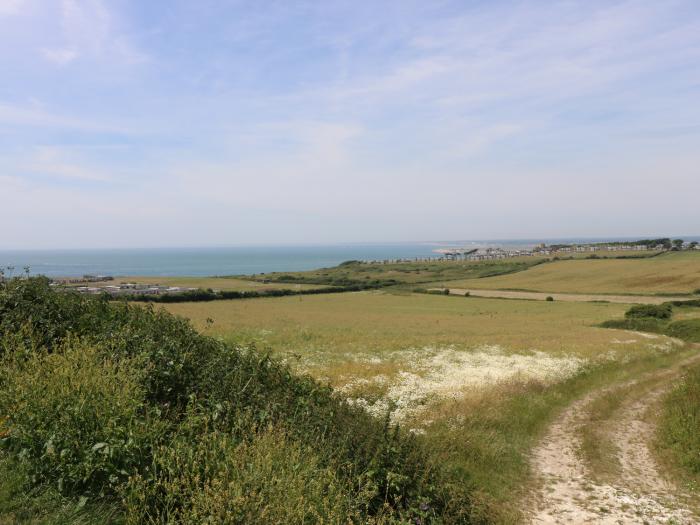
{"type": "Point", "coordinates": [487, 254]}
{"type": "Point", "coordinates": [116, 290]}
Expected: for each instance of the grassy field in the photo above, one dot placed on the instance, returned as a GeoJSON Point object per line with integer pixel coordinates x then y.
{"type": "Point", "coordinates": [367, 341]}
{"type": "Point", "coordinates": [414, 273]}
{"type": "Point", "coordinates": [380, 321]}
{"type": "Point", "coordinates": [675, 272]}
{"type": "Point", "coordinates": [403, 273]}
{"type": "Point", "coordinates": [480, 377]}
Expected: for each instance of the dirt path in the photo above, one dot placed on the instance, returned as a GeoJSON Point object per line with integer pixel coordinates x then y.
{"type": "Point", "coordinates": [637, 494]}
{"type": "Point", "coordinates": [542, 296]}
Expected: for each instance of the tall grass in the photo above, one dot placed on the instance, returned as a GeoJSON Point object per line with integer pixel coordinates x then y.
{"type": "Point", "coordinates": [129, 407]}
{"type": "Point", "coordinates": [679, 432]}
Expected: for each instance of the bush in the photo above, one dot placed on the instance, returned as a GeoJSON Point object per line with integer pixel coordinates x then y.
{"type": "Point", "coordinates": [97, 392]}
{"type": "Point", "coordinates": [269, 478]}
{"type": "Point", "coordinates": [688, 330]}
{"type": "Point", "coordinates": [446, 291]}
{"type": "Point", "coordinates": [656, 311]}
{"type": "Point", "coordinates": [680, 425]}
{"type": "Point", "coordinates": [76, 419]}
{"type": "Point", "coordinates": [696, 291]}
{"type": "Point", "coordinates": [549, 298]}
{"type": "Point", "coordinates": [690, 303]}
{"type": "Point", "coordinates": [645, 324]}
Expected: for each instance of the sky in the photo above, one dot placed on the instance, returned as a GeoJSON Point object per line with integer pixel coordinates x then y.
{"type": "Point", "coordinates": [126, 123]}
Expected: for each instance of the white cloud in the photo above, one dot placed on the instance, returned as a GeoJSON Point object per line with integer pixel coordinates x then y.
{"type": "Point", "coordinates": [36, 115]}
{"type": "Point", "coordinates": [10, 7]}
{"type": "Point", "coordinates": [57, 163]}
{"type": "Point", "coordinates": [59, 56]}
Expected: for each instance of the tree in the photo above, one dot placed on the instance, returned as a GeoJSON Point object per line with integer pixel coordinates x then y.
{"type": "Point", "coordinates": [677, 244]}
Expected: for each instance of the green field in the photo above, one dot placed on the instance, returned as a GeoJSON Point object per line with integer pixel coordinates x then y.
{"type": "Point", "coordinates": [341, 337]}
{"type": "Point", "coordinates": [674, 272]}
{"type": "Point", "coordinates": [380, 321]}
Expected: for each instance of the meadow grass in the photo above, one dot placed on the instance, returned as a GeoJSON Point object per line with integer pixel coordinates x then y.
{"type": "Point", "coordinates": [678, 437]}
{"type": "Point", "coordinates": [336, 327]}
{"type": "Point", "coordinates": [373, 345]}
{"type": "Point", "coordinates": [674, 272]}
{"type": "Point", "coordinates": [416, 272]}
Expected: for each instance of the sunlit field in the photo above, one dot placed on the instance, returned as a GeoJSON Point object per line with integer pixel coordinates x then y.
{"type": "Point", "coordinates": [478, 377]}
{"type": "Point", "coordinates": [369, 341]}
{"type": "Point", "coordinates": [667, 273]}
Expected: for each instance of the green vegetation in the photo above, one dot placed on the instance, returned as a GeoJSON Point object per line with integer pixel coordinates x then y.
{"type": "Point", "coordinates": [482, 437]}
{"type": "Point", "coordinates": [195, 296]}
{"type": "Point", "coordinates": [335, 336]}
{"type": "Point", "coordinates": [127, 412]}
{"type": "Point", "coordinates": [679, 431]}
{"type": "Point", "coordinates": [115, 412]}
{"type": "Point", "coordinates": [657, 319]}
{"type": "Point", "coordinates": [656, 311]}
{"type": "Point", "coordinates": [669, 273]}
{"type": "Point", "coordinates": [353, 273]}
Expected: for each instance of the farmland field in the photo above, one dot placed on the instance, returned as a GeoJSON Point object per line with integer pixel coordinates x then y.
{"type": "Point", "coordinates": [667, 273]}
{"type": "Point", "coordinates": [380, 321]}
{"type": "Point", "coordinates": [343, 337]}
{"type": "Point", "coordinates": [480, 377]}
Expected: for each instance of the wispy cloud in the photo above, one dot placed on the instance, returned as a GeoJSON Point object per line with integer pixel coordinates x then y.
{"type": "Point", "coordinates": [10, 7]}
{"type": "Point", "coordinates": [54, 163]}
{"type": "Point", "coordinates": [349, 119]}
{"type": "Point", "coordinates": [59, 56]}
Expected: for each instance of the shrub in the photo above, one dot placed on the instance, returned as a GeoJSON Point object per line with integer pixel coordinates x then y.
{"type": "Point", "coordinates": [680, 425]}
{"type": "Point", "coordinates": [687, 329]}
{"type": "Point", "coordinates": [644, 324]}
{"type": "Point", "coordinates": [446, 291]}
{"type": "Point", "coordinates": [690, 303]}
{"type": "Point", "coordinates": [657, 311]}
{"type": "Point", "coordinates": [76, 419]}
{"type": "Point", "coordinates": [270, 478]}
{"type": "Point", "coordinates": [549, 298]}
{"type": "Point", "coordinates": [696, 291]}
{"type": "Point", "coordinates": [96, 392]}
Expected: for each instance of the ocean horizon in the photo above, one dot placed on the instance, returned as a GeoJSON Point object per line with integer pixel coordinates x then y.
{"type": "Point", "coordinates": [236, 260]}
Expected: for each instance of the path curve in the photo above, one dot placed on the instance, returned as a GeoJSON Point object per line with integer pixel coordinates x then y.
{"type": "Point", "coordinates": [639, 494]}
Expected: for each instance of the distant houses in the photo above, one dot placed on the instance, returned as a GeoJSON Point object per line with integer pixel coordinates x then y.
{"type": "Point", "coordinates": [126, 289]}
{"type": "Point", "coordinates": [488, 254]}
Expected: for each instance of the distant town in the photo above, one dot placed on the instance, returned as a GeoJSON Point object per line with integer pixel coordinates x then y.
{"type": "Point", "coordinates": [100, 284]}
{"type": "Point", "coordinates": [486, 254]}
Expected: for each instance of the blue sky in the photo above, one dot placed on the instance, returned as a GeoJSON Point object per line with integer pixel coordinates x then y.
{"type": "Point", "coordinates": [170, 123]}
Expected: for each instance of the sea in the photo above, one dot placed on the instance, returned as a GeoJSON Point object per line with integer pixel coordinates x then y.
{"type": "Point", "coordinates": [238, 260]}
